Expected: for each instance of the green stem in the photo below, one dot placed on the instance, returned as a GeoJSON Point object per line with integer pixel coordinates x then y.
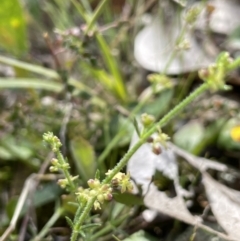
{"type": "Point", "coordinates": [49, 224]}
{"type": "Point", "coordinates": [173, 54]}
{"type": "Point", "coordinates": [80, 9]}
{"type": "Point", "coordinates": [111, 225]}
{"type": "Point", "coordinates": [153, 129]}
{"type": "Point", "coordinates": [82, 218]}
{"type": "Point", "coordinates": [97, 12]}
{"type": "Point", "coordinates": [65, 171]}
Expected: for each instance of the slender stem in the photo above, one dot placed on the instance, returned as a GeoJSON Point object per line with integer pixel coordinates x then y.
{"type": "Point", "coordinates": [161, 123]}
{"type": "Point", "coordinates": [173, 54]}
{"type": "Point", "coordinates": [109, 227]}
{"type": "Point", "coordinates": [83, 216]}
{"type": "Point", "coordinates": [49, 224]}
{"type": "Point", "coordinates": [97, 12]}
{"type": "Point", "coordinates": [66, 172]}
{"type": "Point", "coordinates": [80, 9]}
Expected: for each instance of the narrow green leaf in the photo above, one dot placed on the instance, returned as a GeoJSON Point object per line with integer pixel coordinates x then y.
{"type": "Point", "coordinates": [73, 204]}
{"type": "Point", "coordinates": [69, 221]}
{"type": "Point", "coordinates": [128, 199]}
{"type": "Point", "coordinates": [135, 124]}
{"type": "Point", "coordinates": [16, 150]}
{"type": "Point", "coordinates": [48, 73]}
{"type": "Point", "coordinates": [84, 157]}
{"type": "Point", "coordinates": [13, 35]}
{"type": "Point", "coordinates": [118, 83]}
{"type": "Point", "coordinates": [19, 83]}
{"type": "Point", "coordinates": [68, 205]}
{"type": "Point", "coordinates": [82, 234]}
{"type": "Point", "coordinates": [91, 225]}
{"type": "Point", "coordinates": [30, 67]}
{"type": "Point", "coordinates": [97, 175]}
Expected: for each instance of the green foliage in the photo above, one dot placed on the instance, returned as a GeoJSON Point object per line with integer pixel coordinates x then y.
{"type": "Point", "coordinates": [140, 236]}
{"type": "Point", "coordinates": [84, 157]}
{"type": "Point", "coordinates": [13, 35]}
{"type": "Point", "coordinates": [224, 139]}
{"type": "Point", "coordinates": [21, 83]}
{"type": "Point", "coordinates": [186, 141]}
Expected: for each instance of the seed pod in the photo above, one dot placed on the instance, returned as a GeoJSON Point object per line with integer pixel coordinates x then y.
{"type": "Point", "coordinates": [156, 149]}
{"type": "Point", "coordinates": [150, 139]}
{"type": "Point", "coordinates": [115, 183]}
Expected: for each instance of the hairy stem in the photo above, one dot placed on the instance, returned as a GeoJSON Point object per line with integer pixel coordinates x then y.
{"type": "Point", "coordinates": [65, 171]}
{"type": "Point", "coordinates": [161, 123]}
{"type": "Point", "coordinates": [82, 218]}
{"type": "Point", "coordinates": [97, 12]}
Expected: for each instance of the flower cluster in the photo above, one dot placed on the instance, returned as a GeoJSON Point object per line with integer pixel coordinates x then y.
{"type": "Point", "coordinates": [183, 44]}
{"type": "Point", "coordinates": [159, 81]}
{"type": "Point", "coordinates": [53, 141]}
{"type": "Point", "coordinates": [56, 165]}
{"type": "Point", "coordinates": [215, 74]}
{"type": "Point", "coordinates": [59, 163]}
{"type": "Point", "coordinates": [158, 140]}
{"type": "Point", "coordinates": [147, 120]}
{"type": "Point", "coordinates": [192, 14]}
{"type": "Point", "coordinates": [102, 192]}
{"type": "Point", "coordinates": [64, 183]}
{"type": "Point", "coordinates": [122, 181]}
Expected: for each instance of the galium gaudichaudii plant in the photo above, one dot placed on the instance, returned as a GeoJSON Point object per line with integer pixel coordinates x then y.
{"type": "Point", "coordinates": [98, 190]}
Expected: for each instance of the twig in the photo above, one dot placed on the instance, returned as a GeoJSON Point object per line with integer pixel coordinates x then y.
{"type": "Point", "coordinates": [29, 186]}
{"type": "Point", "coordinates": [212, 231]}
{"type": "Point", "coordinates": [65, 122]}
{"type": "Point", "coordinates": [202, 164]}
{"type": "Point", "coordinates": [49, 224]}
{"type": "Point", "coordinates": [49, 44]}
{"type": "Point", "coordinates": [35, 184]}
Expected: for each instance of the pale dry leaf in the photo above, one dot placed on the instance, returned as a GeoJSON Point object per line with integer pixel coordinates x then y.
{"type": "Point", "coordinates": [224, 18]}
{"type": "Point", "coordinates": [144, 163]}
{"type": "Point", "coordinates": [153, 48]}
{"type": "Point", "coordinates": [174, 207]}
{"type": "Point", "coordinates": [225, 205]}
{"type": "Point", "coordinates": [202, 164]}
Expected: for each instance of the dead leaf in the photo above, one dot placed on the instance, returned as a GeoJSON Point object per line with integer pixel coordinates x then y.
{"type": "Point", "coordinates": [202, 164]}
{"type": "Point", "coordinates": [144, 163]}
{"type": "Point", "coordinates": [225, 205]}
{"type": "Point", "coordinates": [173, 207]}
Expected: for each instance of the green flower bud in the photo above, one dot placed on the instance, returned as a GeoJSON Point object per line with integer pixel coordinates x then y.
{"type": "Point", "coordinates": [92, 193]}
{"type": "Point", "coordinates": [62, 183]}
{"type": "Point", "coordinates": [192, 14]}
{"type": "Point", "coordinates": [203, 74]}
{"type": "Point", "coordinates": [54, 161]}
{"type": "Point", "coordinates": [93, 183]}
{"type": "Point", "coordinates": [53, 169]}
{"type": "Point", "coordinates": [147, 120]}
{"type": "Point", "coordinates": [97, 205]}
{"type": "Point", "coordinates": [100, 198]}
{"type": "Point", "coordinates": [108, 196]}
{"type": "Point", "coordinates": [156, 148]}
